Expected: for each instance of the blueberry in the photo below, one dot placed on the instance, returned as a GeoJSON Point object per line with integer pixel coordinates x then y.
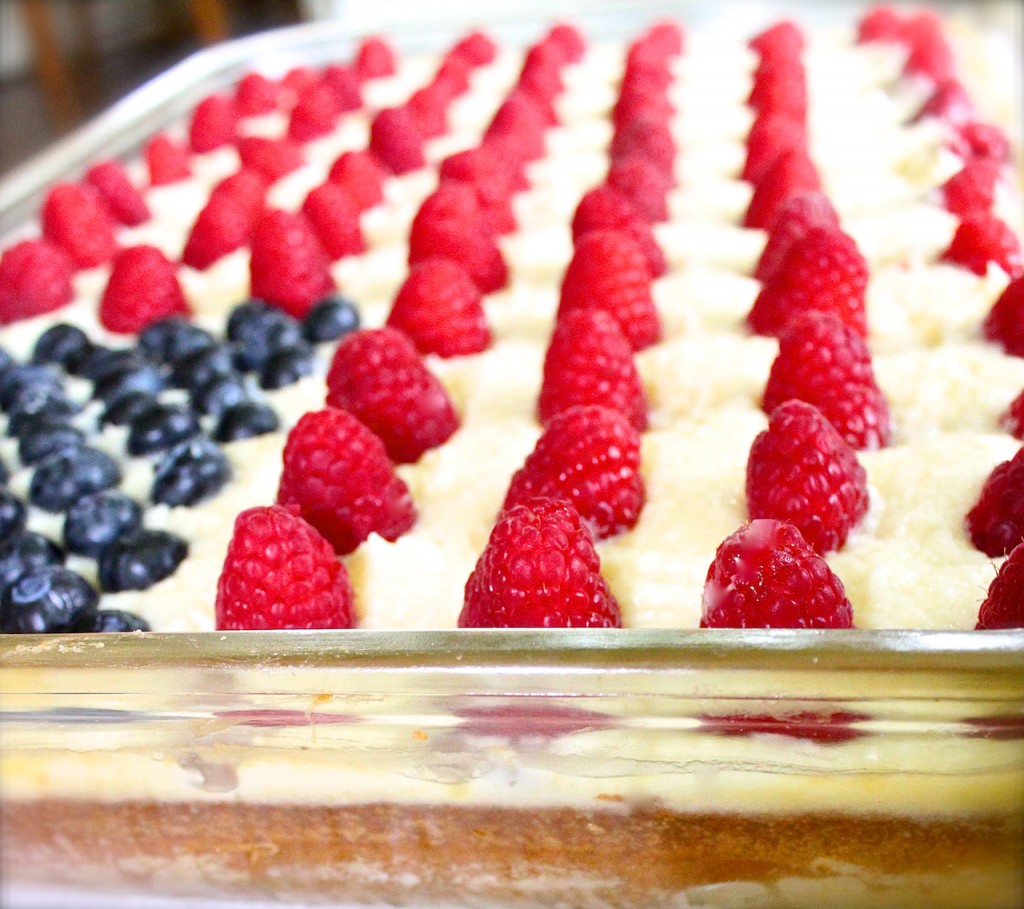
{"type": "Point", "coordinates": [138, 560]}
{"type": "Point", "coordinates": [64, 345]}
{"type": "Point", "coordinates": [144, 377]}
{"type": "Point", "coordinates": [123, 410]}
{"type": "Point", "coordinates": [47, 599]}
{"type": "Point", "coordinates": [201, 367]}
{"type": "Point", "coordinates": [243, 421]}
{"type": "Point", "coordinates": [96, 521]}
{"type": "Point", "coordinates": [105, 361]}
{"type": "Point", "coordinates": [220, 393]}
{"type": "Point", "coordinates": [67, 476]}
{"type": "Point", "coordinates": [45, 436]}
{"type": "Point", "coordinates": [168, 340]}
{"type": "Point", "coordinates": [329, 319]}
{"type": "Point", "coordinates": [36, 402]}
{"type": "Point", "coordinates": [286, 366]}
{"type": "Point", "coordinates": [109, 620]}
{"type": "Point", "coordinates": [190, 472]}
{"type": "Point", "coordinates": [18, 380]}
{"type": "Point", "coordinates": [161, 426]}
{"type": "Point", "coordinates": [4, 473]}
{"type": "Point", "coordinates": [12, 514]}
{"type": "Point", "coordinates": [257, 329]}
{"type": "Point", "coordinates": [6, 361]}
{"type": "Point", "coordinates": [23, 552]}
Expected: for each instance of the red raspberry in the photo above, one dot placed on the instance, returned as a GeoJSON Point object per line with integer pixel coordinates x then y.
{"type": "Point", "coordinates": [429, 109]}
{"type": "Point", "coordinates": [439, 308]}
{"type": "Point", "coordinates": [973, 188]}
{"type": "Point", "coordinates": [589, 361]}
{"type": "Point", "coordinates": [604, 208]}
{"type": "Point", "coordinates": [397, 141]}
{"type": "Point", "coordinates": [214, 122]}
{"type": "Point", "coordinates": [337, 475]}
{"type": "Point", "coordinates": [666, 35]}
{"type": "Point", "coordinates": [451, 78]}
{"type": "Point", "coordinates": [143, 288]}
{"type": "Point", "coordinates": [950, 103]}
{"type": "Point", "coordinates": [1005, 321]}
{"type": "Point", "coordinates": [801, 471]}
{"type": "Point", "coordinates": [826, 363]}
{"type": "Point", "coordinates": [298, 79]}
{"type": "Point", "coordinates": [288, 266]}
{"type": "Point", "coordinates": [360, 174]}
{"type": "Point", "coordinates": [539, 570]}
{"type": "Point", "coordinates": [75, 219]}
{"type": "Point", "coordinates": [640, 181]}
{"type": "Point", "coordinates": [377, 376]}
{"type": "Point", "coordinates": [608, 272]}
{"type": "Point", "coordinates": [882, 23]}
{"type": "Point", "coordinates": [642, 93]}
{"type": "Point", "coordinates": [930, 54]}
{"type": "Point", "coordinates": [797, 216]}
{"type": "Point", "coordinates": [343, 81]}
{"type": "Point", "coordinates": [589, 456]}
{"type": "Point", "coordinates": [1013, 420]}
{"type": "Point", "coordinates": [375, 59]}
{"type": "Point", "coordinates": [982, 140]}
{"type": "Point", "coordinates": [167, 160]}
{"type": "Point", "coordinates": [766, 576]}
{"type": "Point", "coordinates": [476, 48]}
{"type": "Point", "coordinates": [122, 199]}
{"type": "Point", "coordinates": [823, 271]}
{"type": "Point", "coordinates": [481, 168]}
{"type": "Point", "coordinates": [335, 218]}
{"type": "Point", "coordinates": [783, 39]}
{"type": "Point", "coordinates": [245, 187]}
{"type": "Point", "coordinates": [280, 573]}
{"type": "Point", "coordinates": [780, 87]}
{"type": "Point", "coordinates": [518, 121]}
{"type": "Point", "coordinates": [1003, 607]}
{"type": "Point", "coordinates": [270, 158]}
{"type": "Point", "coordinates": [570, 41]}
{"type": "Point", "coordinates": [224, 225]}
{"type": "Point", "coordinates": [315, 113]}
{"type": "Point", "coordinates": [35, 278]}
{"type": "Point", "coordinates": [256, 94]}
{"type": "Point", "coordinates": [996, 522]}
{"type": "Point", "coordinates": [770, 135]}
{"type": "Point", "coordinates": [649, 138]}
{"type": "Point", "coordinates": [982, 238]}
{"type": "Point", "coordinates": [790, 173]}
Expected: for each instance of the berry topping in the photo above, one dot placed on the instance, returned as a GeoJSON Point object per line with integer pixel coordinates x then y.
{"type": "Point", "coordinates": [643, 184]}
{"type": "Point", "coordinates": [17, 380]}
{"type": "Point", "coordinates": [45, 600]}
{"type": "Point", "coordinates": [604, 208]}
{"type": "Point", "coordinates": [219, 393]}
{"type": "Point", "coordinates": [63, 345]}
{"type": "Point", "coordinates": [338, 475]}
{"type": "Point", "coordinates": [35, 278]}
{"type": "Point", "coordinates": [1013, 420]}
{"type": "Point", "coordinates": [46, 436]}
{"type": "Point", "coordinates": [476, 48]}
{"type": "Point", "coordinates": [930, 54]}
{"type": "Point", "coordinates": [280, 573]}
{"type": "Point", "coordinates": [257, 330]}
{"type": "Point", "coordinates": [950, 103]}
{"type": "Point", "coordinates": [170, 340]}
{"type": "Point", "coordinates": [190, 472]}
{"type": "Point", "coordinates": [589, 456]}
{"type": "Point", "coordinates": [161, 426]}
{"type": "Point", "coordinates": [63, 478]}
{"type": "Point", "coordinates": [766, 576]}
{"type": "Point", "coordinates": [1003, 607]}
{"type": "Point", "coordinates": [139, 559]}
{"type": "Point", "coordinates": [396, 139]}
{"type": "Point", "coordinates": [378, 376]}
{"type": "Point", "coordinates": [996, 522]}
{"type": "Point", "coordinates": [827, 364]}
{"type": "Point", "coordinates": [880, 23]}
{"type": "Point", "coordinates": [539, 570]}
{"type": "Point", "coordinates": [256, 94]}
{"type": "Point", "coordinates": [375, 59]}
{"type": "Point", "coordinates": [343, 81]}
{"type": "Point", "coordinates": [1005, 321]}
{"type": "Point", "coordinates": [96, 521]}
{"type": "Point", "coordinates": [770, 135]}
{"type": "Point", "coordinates": [12, 514]}
{"type": "Point", "coordinates": [224, 225]}
{"type": "Point", "coordinates": [608, 272]}
{"type": "Point", "coordinates": [980, 141]}
{"type": "Point", "coordinates": [982, 238]}
{"type": "Point", "coordinates": [972, 188]}
{"type": "Point", "coordinates": [331, 318]}
{"type": "Point", "coordinates": [143, 287]}
{"type": "Point", "coordinates": [122, 199]}
{"type": "Point", "coordinates": [108, 621]}
{"type": "Point", "coordinates": [23, 552]}
{"type": "Point", "coordinates": [244, 421]}
{"type": "Point", "coordinates": [790, 173]}
{"type": "Point", "coordinates": [286, 366]}
{"type": "Point", "coordinates": [197, 369]}
{"type": "Point", "coordinates": [361, 175]}
{"type": "Point", "coordinates": [335, 218]}
{"type": "Point", "coordinates": [797, 217]}
{"type": "Point", "coordinates": [440, 309]}
{"type": "Point", "coordinates": [121, 411]}
{"type": "Point", "coordinates": [76, 219]}
{"type": "Point", "coordinates": [145, 378]}
{"type": "Point", "coordinates": [167, 160]}
{"type": "Point", "coordinates": [315, 112]}
{"type": "Point", "coordinates": [35, 402]}
{"type": "Point", "coordinates": [783, 39]}
{"type": "Point", "coordinates": [213, 123]}
{"type": "Point", "coordinates": [289, 268]}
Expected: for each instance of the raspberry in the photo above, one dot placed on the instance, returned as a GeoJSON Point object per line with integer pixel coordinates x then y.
{"type": "Point", "coordinates": [256, 94]}
{"type": "Point", "coordinates": [246, 187]}
{"type": "Point", "coordinates": [1005, 321]}
{"type": "Point", "coordinates": [1003, 607]}
{"type": "Point", "coordinates": [75, 219]}
{"type": "Point", "coordinates": [1013, 420]}
{"type": "Point", "coordinates": [783, 39]}
{"type": "Point", "coordinates": [122, 199]}
{"type": "Point", "coordinates": [569, 40]}
{"type": "Point", "coordinates": [950, 103]}
{"type": "Point", "coordinates": [972, 188]}
{"type": "Point", "coordinates": [35, 278]}
{"type": "Point", "coordinates": [982, 238]}
{"type": "Point", "coordinates": [451, 225]}
{"type": "Point", "coordinates": [315, 113]}
{"type": "Point", "coordinates": [608, 272]}
{"type": "Point", "coordinates": [996, 522]}
{"type": "Point", "coordinates": [982, 140]}
{"type": "Point", "coordinates": [589, 361]}
{"type": "Point", "coordinates": [377, 375]}
{"type": "Point", "coordinates": [143, 288]}
{"type": "Point", "coordinates": [797, 216]}
{"type": "Point", "coordinates": [640, 181]}
{"type": "Point", "coordinates": [270, 158]}
{"type": "Point", "coordinates": [646, 137]}
{"type": "Point", "coordinates": [589, 456]}
{"type": "Point", "coordinates": [766, 576]}
{"type": "Point", "coordinates": [335, 218]}
{"type": "Point", "coordinates": [827, 364]}
{"type": "Point", "coordinates": [214, 122]}
{"type": "Point", "coordinates": [666, 35]}
{"type": "Point", "coordinates": [397, 141]}
{"type": "Point", "coordinates": [451, 78]}
{"type": "Point", "coordinates": [780, 87]}
{"type": "Point", "coordinates": [280, 573]}
{"type": "Point", "coordinates": [539, 570]}
{"type": "Point", "coordinates": [930, 54]}
{"type": "Point", "coordinates": [343, 81]}
{"type": "Point", "coordinates": [360, 174]}
{"type": "Point", "coordinates": [288, 266]}
{"type": "Point", "coordinates": [428, 106]}
{"type": "Point", "coordinates": [298, 79]}
{"type": "Point", "coordinates": [167, 160]}
{"type": "Point", "coordinates": [770, 135]}
{"type": "Point", "coordinates": [519, 121]}
{"type": "Point", "coordinates": [224, 225]}
{"type": "Point", "coordinates": [642, 93]}
{"type": "Point", "coordinates": [486, 174]}
{"type": "Point", "coordinates": [440, 309]}
{"type": "Point", "coordinates": [880, 24]}
{"type": "Point", "coordinates": [823, 272]}
{"type": "Point", "coordinates": [801, 471]}
{"type": "Point", "coordinates": [375, 58]}
{"type": "Point", "coordinates": [476, 48]}
{"type": "Point", "coordinates": [338, 477]}
{"type": "Point", "coordinates": [790, 173]}
{"type": "Point", "coordinates": [604, 208]}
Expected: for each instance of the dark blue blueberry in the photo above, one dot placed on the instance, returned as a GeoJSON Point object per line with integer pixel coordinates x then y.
{"type": "Point", "coordinates": [161, 426]}
{"type": "Point", "coordinates": [96, 521]}
{"type": "Point", "coordinates": [286, 366]}
{"type": "Point", "coordinates": [36, 402]}
{"type": "Point", "coordinates": [23, 552]}
{"type": "Point", "coordinates": [63, 478]}
{"type": "Point", "coordinates": [12, 514]}
{"type": "Point", "coordinates": [145, 378]}
{"type": "Point", "coordinates": [201, 367]}
{"type": "Point", "coordinates": [243, 421]}
{"type": "Point", "coordinates": [19, 379]}
{"type": "Point", "coordinates": [105, 361]}
{"type": "Point", "coordinates": [4, 473]}
{"type": "Point", "coordinates": [331, 318]}
{"type": "Point", "coordinates": [190, 472]}
{"type": "Point", "coordinates": [257, 329]}
{"type": "Point", "coordinates": [107, 621]}
{"type": "Point", "coordinates": [6, 361]}
{"type": "Point", "coordinates": [64, 345]}
{"type": "Point", "coordinates": [45, 600]}
{"type": "Point", "coordinates": [219, 394]}
{"type": "Point", "coordinates": [138, 560]}
{"type": "Point", "coordinates": [45, 436]}
{"type": "Point", "coordinates": [168, 340]}
{"type": "Point", "coordinates": [123, 410]}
